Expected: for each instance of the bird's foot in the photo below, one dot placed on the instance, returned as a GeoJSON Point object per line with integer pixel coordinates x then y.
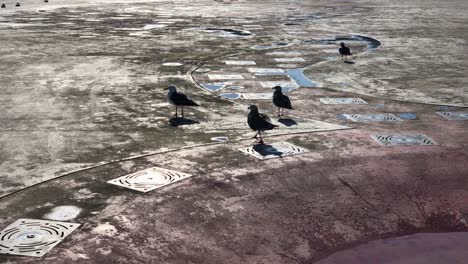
{"type": "Point", "coordinates": [260, 142]}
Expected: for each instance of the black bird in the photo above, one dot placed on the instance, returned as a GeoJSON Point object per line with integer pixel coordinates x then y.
{"type": "Point", "coordinates": [344, 51]}
{"type": "Point", "coordinates": [258, 122]}
{"type": "Point", "coordinates": [17, 4]}
{"type": "Point", "coordinates": [3, 6]}
{"type": "Point", "coordinates": [179, 99]}
{"type": "Point", "coordinates": [281, 101]}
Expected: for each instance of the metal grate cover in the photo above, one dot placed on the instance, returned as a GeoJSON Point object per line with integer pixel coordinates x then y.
{"type": "Point", "coordinates": [225, 77]}
{"type": "Point", "coordinates": [271, 84]}
{"type": "Point", "coordinates": [293, 59]}
{"type": "Point", "coordinates": [149, 179]}
{"type": "Point", "coordinates": [285, 53]}
{"type": "Point", "coordinates": [454, 115]}
{"type": "Point", "coordinates": [257, 96]}
{"type": "Point", "coordinates": [372, 117]}
{"type": "Point", "coordinates": [342, 101]}
{"type": "Point", "coordinates": [32, 237]}
{"type": "Point", "coordinates": [275, 150]}
{"type": "Point", "coordinates": [267, 71]}
{"type": "Point", "coordinates": [404, 140]}
{"type": "Point", "coordinates": [241, 63]}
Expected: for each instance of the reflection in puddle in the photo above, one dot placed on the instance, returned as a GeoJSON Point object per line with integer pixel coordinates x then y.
{"type": "Point", "coordinates": [213, 86]}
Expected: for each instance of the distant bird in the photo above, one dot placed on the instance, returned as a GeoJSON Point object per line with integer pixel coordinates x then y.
{"type": "Point", "coordinates": [344, 51]}
{"type": "Point", "coordinates": [46, 1]}
{"type": "Point", "coordinates": [258, 122]}
{"type": "Point", "coordinates": [17, 4]}
{"type": "Point", "coordinates": [3, 6]}
{"type": "Point", "coordinates": [179, 99]}
{"type": "Point", "coordinates": [281, 101]}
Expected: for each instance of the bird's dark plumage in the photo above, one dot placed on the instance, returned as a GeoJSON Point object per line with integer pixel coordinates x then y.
{"type": "Point", "coordinates": [179, 99]}
{"type": "Point", "coordinates": [344, 51]}
{"type": "Point", "coordinates": [258, 122]}
{"type": "Point", "coordinates": [281, 100]}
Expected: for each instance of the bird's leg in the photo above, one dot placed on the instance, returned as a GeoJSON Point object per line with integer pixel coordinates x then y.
{"type": "Point", "coordinates": [176, 111]}
{"type": "Point", "coordinates": [279, 115]}
{"type": "Point", "coordinates": [182, 110]}
{"type": "Point", "coordinates": [261, 140]}
{"type": "Point", "coordinates": [282, 111]}
{"type": "Point", "coordinates": [255, 136]}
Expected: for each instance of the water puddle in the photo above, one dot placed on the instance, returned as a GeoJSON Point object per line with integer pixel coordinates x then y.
{"type": "Point", "coordinates": [427, 248]}
{"type": "Point", "coordinates": [213, 87]}
{"type": "Point", "coordinates": [298, 76]}
{"type": "Point", "coordinates": [406, 116]}
{"type": "Point", "coordinates": [230, 96]}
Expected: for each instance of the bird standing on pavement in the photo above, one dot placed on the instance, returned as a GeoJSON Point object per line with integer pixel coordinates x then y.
{"type": "Point", "coordinates": [281, 101]}
{"type": "Point", "coordinates": [344, 51]}
{"type": "Point", "coordinates": [179, 99]}
{"type": "Point", "coordinates": [258, 122]}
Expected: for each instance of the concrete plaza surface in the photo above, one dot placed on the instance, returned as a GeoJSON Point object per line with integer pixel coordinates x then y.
{"type": "Point", "coordinates": [83, 102]}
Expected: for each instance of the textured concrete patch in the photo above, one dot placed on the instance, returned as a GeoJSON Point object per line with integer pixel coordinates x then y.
{"type": "Point", "coordinates": [63, 213]}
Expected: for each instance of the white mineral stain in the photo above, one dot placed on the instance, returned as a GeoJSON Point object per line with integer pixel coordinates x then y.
{"type": "Point", "coordinates": [63, 213]}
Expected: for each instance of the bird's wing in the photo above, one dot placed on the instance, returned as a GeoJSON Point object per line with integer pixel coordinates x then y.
{"type": "Point", "coordinates": [286, 102]}
{"type": "Point", "coordinates": [179, 97]}
{"type": "Point", "coordinates": [265, 117]}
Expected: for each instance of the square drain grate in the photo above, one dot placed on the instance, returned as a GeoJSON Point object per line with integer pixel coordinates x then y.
{"type": "Point", "coordinates": [404, 140]}
{"type": "Point", "coordinates": [271, 84]}
{"type": "Point", "coordinates": [285, 53]}
{"type": "Point", "coordinates": [257, 96]}
{"type": "Point", "coordinates": [267, 71]}
{"type": "Point", "coordinates": [342, 101]}
{"type": "Point", "coordinates": [225, 77]}
{"type": "Point", "coordinates": [454, 115]}
{"type": "Point", "coordinates": [275, 150]}
{"type": "Point", "coordinates": [34, 238]}
{"type": "Point", "coordinates": [372, 117]}
{"type": "Point", "coordinates": [149, 179]}
{"type": "Point", "coordinates": [241, 63]}
{"type": "Point", "coordinates": [293, 59]}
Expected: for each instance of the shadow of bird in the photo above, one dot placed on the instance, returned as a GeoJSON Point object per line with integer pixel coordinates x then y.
{"type": "Point", "coordinates": [266, 150]}
{"type": "Point", "coordinates": [180, 121]}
